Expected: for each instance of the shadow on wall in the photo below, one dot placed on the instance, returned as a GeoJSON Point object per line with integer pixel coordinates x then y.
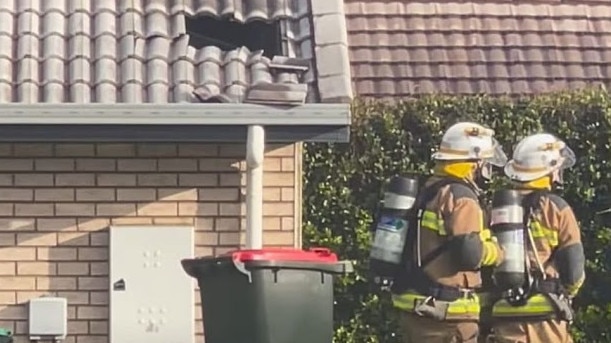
{"type": "Point", "coordinates": [57, 244]}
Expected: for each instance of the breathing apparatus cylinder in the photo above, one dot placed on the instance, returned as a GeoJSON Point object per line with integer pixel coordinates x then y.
{"type": "Point", "coordinates": [507, 225]}
{"type": "Point", "coordinates": [391, 229]}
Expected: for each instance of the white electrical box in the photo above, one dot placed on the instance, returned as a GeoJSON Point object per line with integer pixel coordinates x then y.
{"type": "Point", "coordinates": [151, 297]}
{"type": "Point", "coordinates": [48, 318]}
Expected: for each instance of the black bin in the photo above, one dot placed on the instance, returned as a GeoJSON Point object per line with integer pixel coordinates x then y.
{"type": "Point", "coordinates": [267, 296]}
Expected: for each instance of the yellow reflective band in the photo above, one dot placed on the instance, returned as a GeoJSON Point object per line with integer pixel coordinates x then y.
{"type": "Point", "coordinates": [461, 306]}
{"type": "Point", "coordinates": [574, 288]}
{"type": "Point", "coordinates": [404, 301]}
{"type": "Point", "coordinates": [540, 231]}
{"type": "Point", "coordinates": [485, 234]}
{"type": "Point", "coordinates": [490, 254]}
{"type": "Point", "coordinates": [538, 304]}
{"type": "Point", "coordinates": [431, 221]}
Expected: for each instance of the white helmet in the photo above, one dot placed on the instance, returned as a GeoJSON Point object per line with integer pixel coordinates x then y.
{"type": "Point", "coordinates": [539, 155]}
{"type": "Point", "coordinates": [470, 141]}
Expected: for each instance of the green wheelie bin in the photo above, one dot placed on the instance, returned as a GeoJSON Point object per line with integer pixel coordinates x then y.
{"type": "Point", "coordinates": [6, 336]}
{"type": "Point", "coordinates": [273, 295]}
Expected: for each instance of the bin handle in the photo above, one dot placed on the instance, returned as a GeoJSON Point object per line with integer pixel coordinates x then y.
{"type": "Point", "coordinates": [239, 265]}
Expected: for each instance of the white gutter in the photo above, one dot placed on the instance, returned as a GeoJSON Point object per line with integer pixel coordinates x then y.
{"type": "Point", "coordinates": [255, 152]}
{"type": "Point", "coordinates": [174, 114]}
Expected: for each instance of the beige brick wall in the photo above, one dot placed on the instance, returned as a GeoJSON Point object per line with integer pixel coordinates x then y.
{"type": "Point", "coordinates": [57, 201]}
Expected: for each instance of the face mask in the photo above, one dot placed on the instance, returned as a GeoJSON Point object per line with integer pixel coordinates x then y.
{"type": "Point", "coordinates": [483, 174]}
{"type": "Point", "coordinates": [558, 179]}
{"type": "Point", "coordinates": [485, 171]}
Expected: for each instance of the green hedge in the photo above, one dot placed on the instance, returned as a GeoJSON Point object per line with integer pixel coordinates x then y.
{"type": "Point", "coordinates": [343, 184]}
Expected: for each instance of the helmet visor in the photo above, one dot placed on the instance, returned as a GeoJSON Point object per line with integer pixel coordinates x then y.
{"type": "Point", "coordinates": [567, 157]}
{"type": "Point", "coordinates": [498, 158]}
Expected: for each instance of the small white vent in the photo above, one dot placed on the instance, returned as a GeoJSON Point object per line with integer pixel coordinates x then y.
{"type": "Point", "coordinates": [48, 318]}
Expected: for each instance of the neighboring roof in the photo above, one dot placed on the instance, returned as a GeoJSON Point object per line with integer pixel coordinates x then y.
{"type": "Point", "coordinates": [136, 51]}
{"type": "Point", "coordinates": [405, 48]}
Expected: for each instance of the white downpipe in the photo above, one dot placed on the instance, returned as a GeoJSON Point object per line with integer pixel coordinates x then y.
{"type": "Point", "coordinates": [255, 151]}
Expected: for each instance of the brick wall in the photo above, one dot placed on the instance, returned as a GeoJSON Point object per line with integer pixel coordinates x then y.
{"type": "Point", "coordinates": [57, 201]}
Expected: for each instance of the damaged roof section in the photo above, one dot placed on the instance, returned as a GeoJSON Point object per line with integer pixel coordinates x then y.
{"type": "Point", "coordinates": [138, 51]}
{"type": "Point", "coordinates": [240, 75]}
{"type": "Point", "coordinates": [414, 47]}
{"type": "Point", "coordinates": [291, 93]}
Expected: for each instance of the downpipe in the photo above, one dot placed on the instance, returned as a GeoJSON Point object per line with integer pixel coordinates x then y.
{"type": "Point", "coordinates": [255, 152]}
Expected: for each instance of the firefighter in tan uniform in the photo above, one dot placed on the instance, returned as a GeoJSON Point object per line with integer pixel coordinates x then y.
{"type": "Point", "coordinates": [555, 259]}
{"type": "Point", "coordinates": [436, 298]}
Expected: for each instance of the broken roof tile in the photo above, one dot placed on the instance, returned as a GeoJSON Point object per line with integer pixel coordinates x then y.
{"type": "Point", "coordinates": [136, 51]}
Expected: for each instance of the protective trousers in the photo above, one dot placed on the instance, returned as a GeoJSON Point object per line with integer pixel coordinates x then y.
{"type": "Point", "coordinates": [417, 329]}
{"type": "Point", "coordinates": [545, 331]}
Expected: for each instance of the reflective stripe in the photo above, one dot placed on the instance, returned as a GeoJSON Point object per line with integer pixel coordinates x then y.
{"type": "Point", "coordinates": [485, 234]}
{"type": "Point", "coordinates": [490, 254]}
{"type": "Point", "coordinates": [540, 231]}
{"type": "Point", "coordinates": [461, 306]}
{"type": "Point", "coordinates": [537, 305]}
{"type": "Point", "coordinates": [431, 221]}
{"type": "Point", "coordinates": [398, 202]}
{"type": "Point", "coordinates": [574, 288]}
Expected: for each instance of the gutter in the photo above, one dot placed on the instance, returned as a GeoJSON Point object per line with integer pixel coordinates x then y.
{"type": "Point", "coordinates": [174, 114]}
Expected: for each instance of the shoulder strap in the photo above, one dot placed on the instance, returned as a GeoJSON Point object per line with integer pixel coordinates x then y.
{"type": "Point", "coordinates": [531, 201]}
{"type": "Point", "coordinates": [533, 198]}
{"type": "Point", "coordinates": [428, 193]}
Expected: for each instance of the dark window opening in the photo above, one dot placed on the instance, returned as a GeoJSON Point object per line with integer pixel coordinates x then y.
{"type": "Point", "coordinates": [230, 35]}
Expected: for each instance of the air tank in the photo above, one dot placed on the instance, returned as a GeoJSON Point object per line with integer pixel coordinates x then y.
{"type": "Point", "coordinates": [507, 225]}
{"type": "Point", "coordinates": [391, 228]}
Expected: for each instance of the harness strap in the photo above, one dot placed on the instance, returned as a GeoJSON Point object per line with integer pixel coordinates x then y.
{"type": "Point", "coordinates": [413, 276]}
{"type": "Point", "coordinates": [546, 298]}
{"type": "Point", "coordinates": [444, 293]}
{"type": "Point", "coordinates": [430, 257]}
{"type": "Point", "coordinates": [429, 193]}
{"type": "Point", "coordinates": [434, 308]}
{"type": "Point", "coordinates": [422, 283]}
{"type": "Point", "coordinates": [520, 294]}
{"type": "Point", "coordinates": [550, 286]}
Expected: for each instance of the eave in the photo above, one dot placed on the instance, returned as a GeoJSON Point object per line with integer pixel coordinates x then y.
{"type": "Point", "coordinates": [181, 122]}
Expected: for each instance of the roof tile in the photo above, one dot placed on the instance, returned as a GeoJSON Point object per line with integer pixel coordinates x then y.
{"type": "Point", "coordinates": [330, 29]}
{"type": "Point", "coordinates": [474, 47]}
{"type": "Point", "coordinates": [134, 51]}
{"type": "Point", "coordinates": [331, 49]}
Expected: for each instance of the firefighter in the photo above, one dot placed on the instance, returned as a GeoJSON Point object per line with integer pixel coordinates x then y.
{"type": "Point", "coordinates": [436, 298]}
{"type": "Point", "coordinates": [554, 256]}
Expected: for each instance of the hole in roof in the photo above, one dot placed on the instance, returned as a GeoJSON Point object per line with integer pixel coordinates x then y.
{"type": "Point", "coordinates": [229, 35]}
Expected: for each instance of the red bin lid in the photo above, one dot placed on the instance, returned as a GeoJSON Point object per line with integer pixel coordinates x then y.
{"type": "Point", "coordinates": [320, 255]}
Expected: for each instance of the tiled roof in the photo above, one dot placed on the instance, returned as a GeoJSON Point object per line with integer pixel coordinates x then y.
{"type": "Point", "coordinates": [404, 48]}
{"type": "Point", "coordinates": [134, 50]}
